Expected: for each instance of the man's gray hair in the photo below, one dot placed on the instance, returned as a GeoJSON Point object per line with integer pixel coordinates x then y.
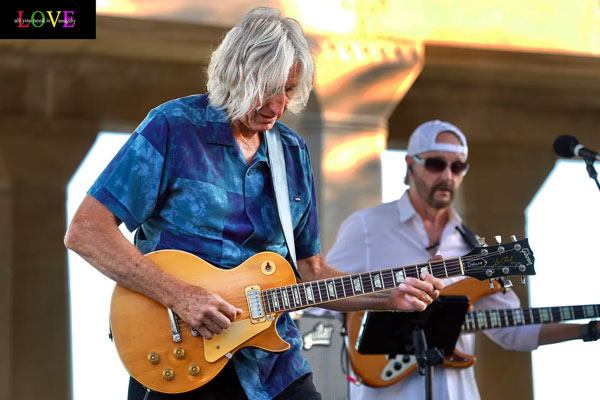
{"type": "Point", "coordinates": [252, 63]}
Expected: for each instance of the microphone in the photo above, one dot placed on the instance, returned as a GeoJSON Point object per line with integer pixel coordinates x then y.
{"type": "Point", "coordinates": [568, 146]}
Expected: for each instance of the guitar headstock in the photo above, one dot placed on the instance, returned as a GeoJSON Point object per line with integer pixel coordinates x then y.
{"type": "Point", "coordinates": [501, 260]}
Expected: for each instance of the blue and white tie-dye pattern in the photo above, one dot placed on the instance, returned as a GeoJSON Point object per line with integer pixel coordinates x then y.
{"type": "Point", "coordinates": [182, 181]}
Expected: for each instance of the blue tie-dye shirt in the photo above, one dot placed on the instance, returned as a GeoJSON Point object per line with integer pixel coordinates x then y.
{"type": "Point", "coordinates": [183, 182]}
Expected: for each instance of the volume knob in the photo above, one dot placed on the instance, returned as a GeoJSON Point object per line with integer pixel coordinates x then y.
{"type": "Point", "coordinates": [179, 353]}
{"type": "Point", "coordinates": [168, 374]}
{"type": "Point", "coordinates": [194, 369]}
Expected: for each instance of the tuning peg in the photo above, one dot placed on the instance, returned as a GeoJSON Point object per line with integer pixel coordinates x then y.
{"type": "Point", "coordinates": [513, 238]}
{"type": "Point", "coordinates": [491, 284]}
{"type": "Point", "coordinates": [506, 283]}
{"type": "Point", "coordinates": [481, 241]}
{"type": "Point", "coordinates": [498, 239]}
{"type": "Point", "coordinates": [523, 280]}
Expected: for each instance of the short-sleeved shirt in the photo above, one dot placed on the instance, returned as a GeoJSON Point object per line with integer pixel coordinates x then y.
{"type": "Point", "coordinates": [183, 183]}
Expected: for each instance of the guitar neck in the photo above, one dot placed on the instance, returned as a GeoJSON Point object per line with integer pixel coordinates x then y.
{"type": "Point", "coordinates": [489, 319]}
{"type": "Point", "coordinates": [293, 297]}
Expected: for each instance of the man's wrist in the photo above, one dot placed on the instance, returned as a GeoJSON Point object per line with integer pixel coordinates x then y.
{"type": "Point", "coordinates": [589, 332]}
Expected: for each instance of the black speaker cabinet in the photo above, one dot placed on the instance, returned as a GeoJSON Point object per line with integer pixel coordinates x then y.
{"type": "Point", "coordinates": [322, 346]}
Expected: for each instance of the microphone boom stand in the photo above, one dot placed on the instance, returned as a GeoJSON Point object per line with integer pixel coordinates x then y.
{"type": "Point", "coordinates": [589, 165]}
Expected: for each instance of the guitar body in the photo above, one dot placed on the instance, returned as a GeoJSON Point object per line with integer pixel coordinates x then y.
{"type": "Point", "coordinates": [378, 370]}
{"type": "Point", "coordinates": [142, 333]}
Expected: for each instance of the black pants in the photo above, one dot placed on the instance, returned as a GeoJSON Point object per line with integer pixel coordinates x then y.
{"type": "Point", "coordinates": [226, 386]}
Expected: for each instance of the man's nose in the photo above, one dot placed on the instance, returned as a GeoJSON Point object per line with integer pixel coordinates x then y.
{"type": "Point", "coordinates": [447, 172]}
{"type": "Point", "coordinates": [278, 104]}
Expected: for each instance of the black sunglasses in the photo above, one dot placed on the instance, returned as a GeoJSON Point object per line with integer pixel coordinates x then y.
{"type": "Point", "coordinates": [433, 164]}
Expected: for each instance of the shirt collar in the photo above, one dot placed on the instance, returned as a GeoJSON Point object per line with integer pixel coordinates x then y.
{"type": "Point", "coordinates": [218, 130]}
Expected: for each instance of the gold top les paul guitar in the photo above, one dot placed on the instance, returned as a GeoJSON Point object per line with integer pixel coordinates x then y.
{"type": "Point", "coordinates": [166, 355]}
{"type": "Point", "coordinates": [379, 370]}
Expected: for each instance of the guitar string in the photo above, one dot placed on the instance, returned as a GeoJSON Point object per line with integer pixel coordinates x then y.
{"type": "Point", "coordinates": [449, 265]}
{"type": "Point", "coordinates": [509, 317]}
{"type": "Point", "coordinates": [437, 267]}
{"type": "Point", "coordinates": [528, 315]}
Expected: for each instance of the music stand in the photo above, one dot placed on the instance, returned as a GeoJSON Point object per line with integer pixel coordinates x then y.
{"type": "Point", "coordinates": [429, 334]}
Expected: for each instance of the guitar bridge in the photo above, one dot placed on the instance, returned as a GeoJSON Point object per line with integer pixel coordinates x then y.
{"type": "Point", "coordinates": [174, 321]}
{"type": "Point", "coordinates": [255, 304]}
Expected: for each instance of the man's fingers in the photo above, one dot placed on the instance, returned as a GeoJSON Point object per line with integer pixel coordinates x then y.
{"type": "Point", "coordinates": [436, 282]}
{"type": "Point", "coordinates": [205, 332]}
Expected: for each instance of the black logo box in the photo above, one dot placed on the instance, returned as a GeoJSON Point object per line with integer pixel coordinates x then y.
{"type": "Point", "coordinates": [48, 19]}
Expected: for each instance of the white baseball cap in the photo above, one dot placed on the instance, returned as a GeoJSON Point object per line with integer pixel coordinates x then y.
{"type": "Point", "coordinates": [423, 139]}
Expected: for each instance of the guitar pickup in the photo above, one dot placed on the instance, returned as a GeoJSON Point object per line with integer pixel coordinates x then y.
{"type": "Point", "coordinates": [255, 304]}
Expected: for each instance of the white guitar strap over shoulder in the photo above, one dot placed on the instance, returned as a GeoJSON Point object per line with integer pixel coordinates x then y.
{"type": "Point", "coordinates": [280, 187]}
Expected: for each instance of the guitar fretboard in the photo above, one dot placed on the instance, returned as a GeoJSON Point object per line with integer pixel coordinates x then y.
{"type": "Point", "coordinates": [312, 293]}
{"type": "Point", "coordinates": [488, 319]}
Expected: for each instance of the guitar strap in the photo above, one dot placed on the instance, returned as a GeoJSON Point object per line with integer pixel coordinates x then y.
{"type": "Point", "coordinates": [280, 187]}
{"type": "Point", "coordinates": [468, 235]}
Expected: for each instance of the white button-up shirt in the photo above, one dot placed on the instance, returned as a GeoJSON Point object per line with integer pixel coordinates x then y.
{"type": "Point", "coordinates": [392, 235]}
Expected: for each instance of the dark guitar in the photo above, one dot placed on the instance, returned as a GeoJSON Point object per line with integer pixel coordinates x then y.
{"type": "Point", "coordinates": [164, 354]}
{"type": "Point", "coordinates": [379, 370]}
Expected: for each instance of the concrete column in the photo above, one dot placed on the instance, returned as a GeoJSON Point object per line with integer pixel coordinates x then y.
{"type": "Point", "coordinates": [39, 157]}
{"type": "Point", "coordinates": [358, 84]}
{"type": "Point", "coordinates": [5, 279]}
{"type": "Point", "coordinates": [498, 189]}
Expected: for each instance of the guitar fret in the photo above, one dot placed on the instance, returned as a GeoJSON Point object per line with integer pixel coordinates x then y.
{"type": "Point", "coordinates": [266, 301]}
{"type": "Point", "coordinates": [470, 320]}
{"type": "Point", "coordinates": [275, 301]}
{"type": "Point", "coordinates": [370, 281]}
{"type": "Point", "coordinates": [481, 320]}
{"type": "Point", "coordinates": [290, 293]}
{"type": "Point", "coordinates": [281, 300]}
{"type": "Point", "coordinates": [297, 299]}
{"type": "Point", "coordinates": [532, 316]}
{"type": "Point", "coordinates": [332, 288]}
{"type": "Point", "coordinates": [286, 300]}
{"type": "Point", "coordinates": [356, 284]}
{"type": "Point", "coordinates": [409, 273]}
{"type": "Point", "coordinates": [365, 280]}
{"type": "Point", "coordinates": [495, 319]}
{"type": "Point", "coordinates": [323, 290]}
{"type": "Point", "coordinates": [349, 284]}
{"type": "Point", "coordinates": [445, 269]}
{"type": "Point", "coordinates": [488, 319]}
{"type": "Point", "coordinates": [308, 293]}
{"type": "Point", "coordinates": [343, 288]}
{"type": "Point", "coordinates": [545, 315]}
{"type": "Point", "coordinates": [505, 319]}
{"type": "Point", "coordinates": [565, 313]}
{"type": "Point", "coordinates": [400, 276]}
{"type": "Point", "coordinates": [590, 311]}
{"type": "Point", "coordinates": [513, 320]}
{"type": "Point", "coordinates": [315, 286]}
{"type": "Point", "coordinates": [518, 316]}
{"type": "Point", "coordinates": [526, 315]}
{"type": "Point", "coordinates": [388, 279]}
{"type": "Point", "coordinates": [529, 316]}
{"type": "Point", "coordinates": [377, 282]}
